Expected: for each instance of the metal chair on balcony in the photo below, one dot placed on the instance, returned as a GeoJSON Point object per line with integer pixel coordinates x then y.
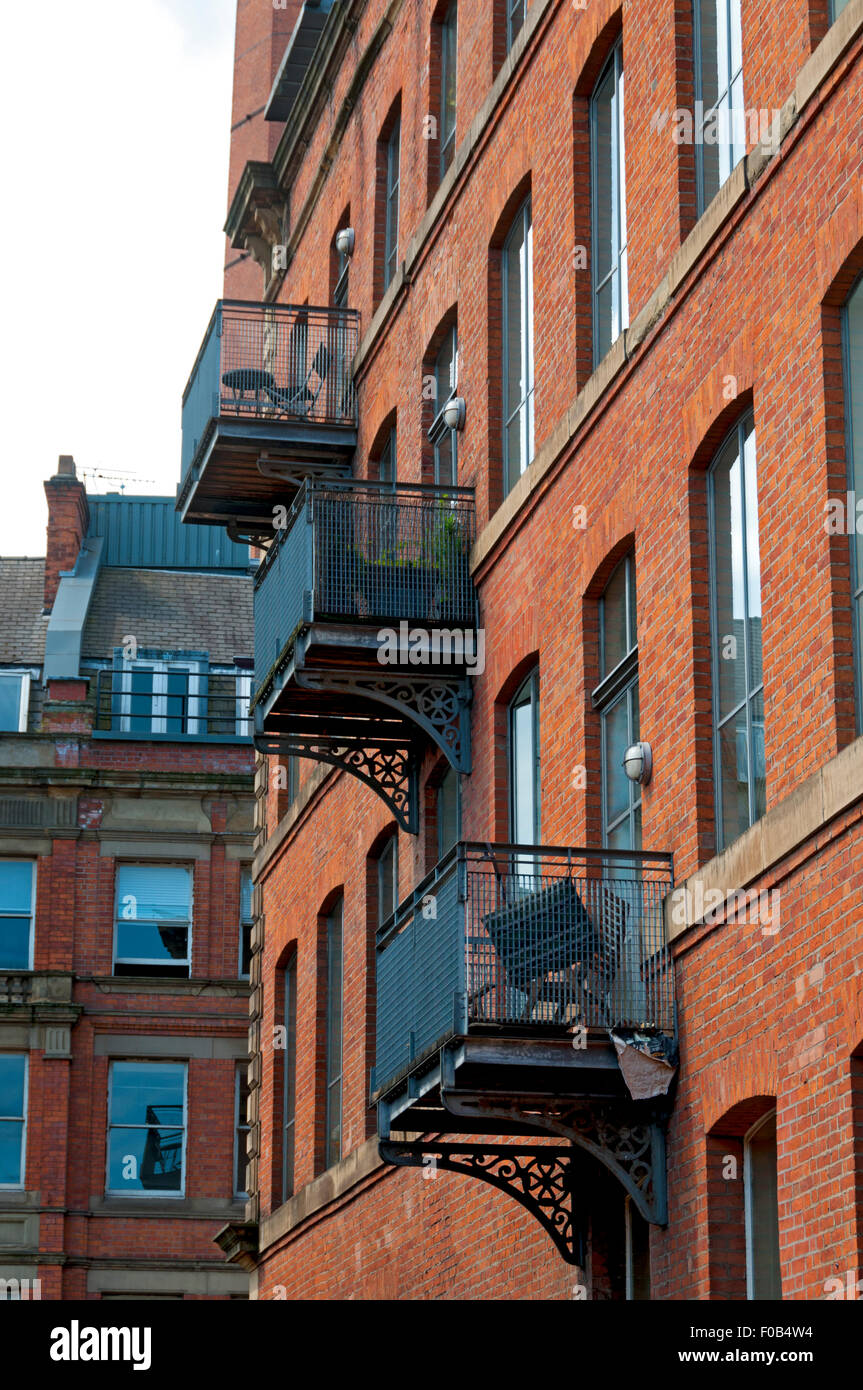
{"type": "Point", "coordinates": [557, 958]}
{"type": "Point", "coordinates": [303, 401]}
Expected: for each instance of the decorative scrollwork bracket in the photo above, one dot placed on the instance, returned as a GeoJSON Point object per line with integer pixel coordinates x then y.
{"type": "Point", "coordinates": [540, 1178]}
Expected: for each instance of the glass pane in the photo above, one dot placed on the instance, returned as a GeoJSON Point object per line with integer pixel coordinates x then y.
{"type": "Point", "coordinates": [245, 896]}
{"type": "Point", "coordinates": [14, 943]}
{"type": "Point", "coordinates": [854, 327]}
{"type": "Point", "coordinates": [448, 86]}
{"type": "Point", "coordinates": [16, 885]}
{"type": "Point", "coordinates": [12, 1073]}
{"type": "Point", "coordinates": [245, 949]}
{"type": "Point", "coordinates": [158, 892]}
{"type": "Point", "coordinates": [445, 370]}
{"type": "Point", "coordinates": [753, 560]}
{"type": "Point", "coordinates": [447, 812]}
{"type": "Point", "coordinates": [763, 1211]}
{"type": "Point", "coordinates": [616, 639]}
{"type": "Point", "coordinates": [759, 766]}
{"type": "Point", "coordinates": [734, 777]}
{"type": "Point", "coordinates": [387, 881]}
{"type": "Point", "coordinates": [290, 1076]}
{"type": "Point", "coordinates": [139, 702]}
{"type": "Point", "coordinates": [10, 703]}
{"type": "Point", "coordinates": [147, 1093]}
{"type": "Point", "coordinates": [176, 702]}
{"type": "Point", "coordinates": [736, 36]}
{"type": "Point", "coordinates": [513, 309]}
{"type": "Point", "coordinates": [619, 838]}
{"type": "Point", "coordinates": [524, 770]}
{"type": "Point", "coordinates": [334, 1033]}
{"type": "Point", "coordinates": [445, 460]}
{"type": "Point", "coordinates": [713, 63]}
{"type": "Point", "coordinates": [151, 941]}
{"type": "Point", "coordinates": [145, 1160]}
{"type": "Point", "coordinates": [605, 319]}
{"type": "Point", "coordinates": [515, 459]}
{"type": "Point", "coordinates": [711, 176]}
{"type": "Point", "coordinates": [11, 1132]}
{"type": "Point", "coordinates": [616, 741]}
{"type": "Point", "coordinates": [729, 600]}
{"type": "Point", "coordinates": [604, 212]}
{"type": "Point", "coordinates": [516, 20]}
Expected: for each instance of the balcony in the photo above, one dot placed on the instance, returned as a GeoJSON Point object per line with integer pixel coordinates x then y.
{"type": "Point", "coordinates": [366, 631]}
{"type": "Point", "coordinates": [163, 702]}
{"type": "Point", "coordinates": [525, 991]}
{"type": "Point", "coordinates": [270, 402]}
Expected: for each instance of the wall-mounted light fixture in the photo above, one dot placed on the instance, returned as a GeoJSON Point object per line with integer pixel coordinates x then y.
{"type": "Point", "coordinates": [345, 241]}
{"type": "Point", "coordinates": [638, 763]}
{"type": "Point", "coordinates": [454, 413]}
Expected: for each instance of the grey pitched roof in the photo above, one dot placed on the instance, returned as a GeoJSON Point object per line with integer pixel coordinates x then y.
{"type": "Point", "coordinates": [171, 610]}
{"type": "Point", "coordinates": [22, 627]}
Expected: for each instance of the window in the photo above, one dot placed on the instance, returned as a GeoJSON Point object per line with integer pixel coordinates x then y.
{"type": "Point", "coordinates": [763, 1279]}
{"type": "Point", "coordinates": [334, 1035]}
{"type": "Point", "coordinates": [616, 700]}
{"type": "Point", "coordinates": [448, 809]}
{"type": "Point", "coordinates": [13, 1119]}
{"type": "Point", "coordinates": [243, 723]}
{"type": "Point", "coordinates": [517, 303]}
{"type": "Point", "coordinates": [443, 438]}
{"type": "Point", "coordinates": [448, 87]}
{"type": "Point", "coordinates": [289, 1097]}
{"type": "Point", "coordinates": [391, 237]}
{"type": "Point", "coordinates": [17, 896]}
{"type": "Point", "coordinates": [608, 206]}
{"type": "Point", "coordinates": [153, 920]}
{"type": "Point", "coordinates": [387, 463]}
{"type": "Point", "coordinates": [388, 879]}
{"type": "Point", "coordinates": [524, 784]}
{"type": "Point", "coordinates": [853, 343]}
{"type": "Point", "coordinates": [514, 20]}
{"type": "Point", "coordinates": [637, 1253]}
{"type": "Point", "coordinates": [14, 701]}
{"type": "Point", "coordinates": [247, 921]}
{"type": "Point", "coordinates": [146, 1129]}
{"type": "Point", "coordinates": [340, 291]}
{"type": "Point", "coordinates": [836, 8]}
{"type": "Point", "coordinates": [735, 604]}
{"type": "Point", "coordinates": [720, 135]}
{"type": "Point", "coordinates": [241, 1129]}
{"type": "Point", "coordinates": [161, 697]}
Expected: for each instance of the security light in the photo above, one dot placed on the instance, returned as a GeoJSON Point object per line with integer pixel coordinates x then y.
{"type": "Point", "coordinates": [638, 763]}
{"type": "Point", "coordinates": [454, 413]}
{"type": "Point", "coordinates": [345, 241]}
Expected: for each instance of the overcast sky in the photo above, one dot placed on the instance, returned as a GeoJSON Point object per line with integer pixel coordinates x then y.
{"type": "Point", "coordinates": [115, 129]}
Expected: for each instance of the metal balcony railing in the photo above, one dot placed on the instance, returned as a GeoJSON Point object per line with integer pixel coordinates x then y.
{"type": "Point", "coordinates": [153, 702]}
{"type": "Point", "coordinates": [366, 553]}
{"type": "Point", "coordinates": [526, 938]}
{"type": "Point", "coordinates": [270, 362]}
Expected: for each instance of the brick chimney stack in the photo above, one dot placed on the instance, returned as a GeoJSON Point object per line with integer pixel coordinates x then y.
{"type": "Point", "coordinates": [68, 519]}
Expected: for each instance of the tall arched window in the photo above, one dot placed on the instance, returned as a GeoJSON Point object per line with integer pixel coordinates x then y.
{"type": "Point", "coordinates": [334, 995]}
{"type": "Point", "coordinates": [720, 128]}
{"type": "Point", "coordinates": [763, 1278]}
{"type": "Point", "coordinates": [445, 439]}
{"type": "Point", "coordinates": [517, 314]}
{"type": "Point", "coordinates": [735, 618]}
{"type": "Point", "coordinates": [608, 206]}
{"type": "Point", "coordinates": [852, 324]}
{"type": "Point", "coordinates": [524, 781]}
{"type": "Point", "coordinates": [616, 701]}
{"type": "Point", "coordinates": [289, 1080]}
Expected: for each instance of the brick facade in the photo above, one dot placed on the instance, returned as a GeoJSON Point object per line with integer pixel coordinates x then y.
{"type": "Point", "coordinates": [736, 310]}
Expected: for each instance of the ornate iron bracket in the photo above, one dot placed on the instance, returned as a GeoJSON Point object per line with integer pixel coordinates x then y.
{"type": "Point", "coordinates": [391, 772]}
{"type": "Point", "coordinates": [438, 706]}
{"type": "Point", "coordinates": [631, 1148]}
{"type": "Point", "coordinates": [540, 1179]}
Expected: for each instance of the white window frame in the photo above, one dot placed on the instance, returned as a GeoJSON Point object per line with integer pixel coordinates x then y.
{"type": "Point", "coordinates": [524, 410]}
{"type": "Point", "coordinates": [148, 960]}
{"type": "Point", "coordinates": [241, 1123]}
{"type": "Point", "coordinates": [23, 699]}
{"type": "Point", "coordinates": [244, 869]}
{"type": "Point", "coordinates": [244, 721]}
{"type": "Point", "coordinates": [20, 1186]}
{"type": "Point", "coordinates": [732, 149]}
{"type": "Point", "coordinates": [751, 1134]}
{"type": "Point", "coordinates": [159, 710]}
{"type": "Point", "coordinates": [618, 275]}
{"type": "Point", "coordinates": [4, 915]}
{"type": "Point", "coordinates": [139, 1193]}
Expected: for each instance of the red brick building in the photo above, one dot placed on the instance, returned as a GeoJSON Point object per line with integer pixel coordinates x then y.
{"type": "Point", "coordinates": [561, 475]}
{"type": "Point", "coordinates": [126, 793]}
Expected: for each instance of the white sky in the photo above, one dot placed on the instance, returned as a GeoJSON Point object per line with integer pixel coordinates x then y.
{"type": "Point", "coordinates": [115, 119]}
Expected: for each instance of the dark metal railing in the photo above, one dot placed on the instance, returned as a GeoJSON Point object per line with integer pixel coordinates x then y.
{"type": "Point", "coordinates": [523, 937]}
{"type": "Point", "coordinates": [148, 702]}
{"type": "Point", "coordinates": [273, 362]}
{"type": "Point", "coordinates": [366, 553]}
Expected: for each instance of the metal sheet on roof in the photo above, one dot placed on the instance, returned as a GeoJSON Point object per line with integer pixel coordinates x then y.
{"type": "Point", "coordinates": [147, 533]}
{"type": "Point", "coordinates": [298, 56]}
